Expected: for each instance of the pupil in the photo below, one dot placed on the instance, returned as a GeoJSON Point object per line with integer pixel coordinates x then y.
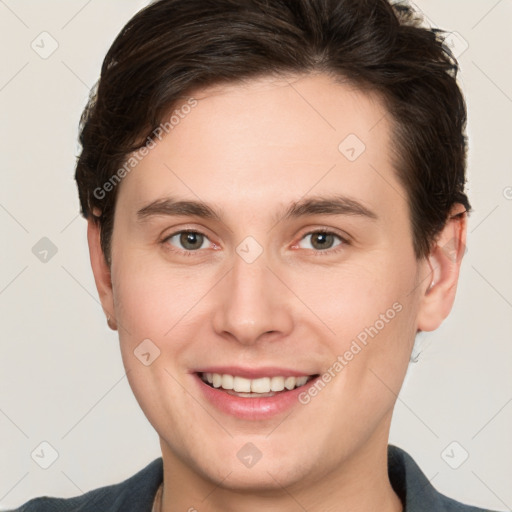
{"type": "Point", "coordinates": [188, 239]}
{"type": "Point", "coordinates": [323, 239]}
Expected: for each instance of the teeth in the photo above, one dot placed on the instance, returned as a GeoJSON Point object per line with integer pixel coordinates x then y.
{"type": "Point", "coordinates": [301, 381]}
{"type": "Point", "coordinates": [289, 382]}
{"type": "Point", "coordinates": [277, 383]}
{"type": "Point", "coordinates": [242, 385]}
{"type": "Point", "coordinates": [227, 381]}
{"type": "Point", "coordinates": [261, 385]}
{"type": "Point", "coordinates": [217, 380]}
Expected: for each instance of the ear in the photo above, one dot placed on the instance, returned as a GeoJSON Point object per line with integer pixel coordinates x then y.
{"type": "Point", "coordinates": [444, 261]}
{"type": "Point", "coordinates": [101, 271]}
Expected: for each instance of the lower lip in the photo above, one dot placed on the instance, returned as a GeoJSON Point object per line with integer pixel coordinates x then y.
{"type": "Point", "coordinates": [258, 408]}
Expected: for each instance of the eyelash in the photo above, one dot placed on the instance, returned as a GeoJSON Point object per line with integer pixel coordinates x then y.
{"type": "Point", "coordinates": [322, 252]}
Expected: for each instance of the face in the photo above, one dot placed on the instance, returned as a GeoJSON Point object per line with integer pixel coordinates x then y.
{"type": "Point", "coordinates": [301, 266]}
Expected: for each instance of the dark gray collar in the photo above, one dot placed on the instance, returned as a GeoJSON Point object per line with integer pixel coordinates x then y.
{"type": "Point", "coordinates": [414, 488]}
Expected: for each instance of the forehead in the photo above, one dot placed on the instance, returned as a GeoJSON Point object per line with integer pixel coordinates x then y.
{"type": "Point", "coordinates": [302, 115]}
{"type": "Point", "coordinates": [266, 139]}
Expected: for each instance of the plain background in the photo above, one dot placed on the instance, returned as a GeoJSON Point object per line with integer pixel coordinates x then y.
{"type": "Point", "coordinates": [61, 375]}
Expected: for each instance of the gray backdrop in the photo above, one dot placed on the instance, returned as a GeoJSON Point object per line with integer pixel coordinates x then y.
{"type": "Point", "coordinates": [61, 376]}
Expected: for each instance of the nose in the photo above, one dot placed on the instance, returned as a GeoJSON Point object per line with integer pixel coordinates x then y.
{"type": "Point", "coordinates": [252, 303]}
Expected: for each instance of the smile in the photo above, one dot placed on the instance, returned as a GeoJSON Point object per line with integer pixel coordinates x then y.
{"type": "Point", "coordinates": [247, 388]}
{"type": "Point", "coordinates": [256, 395]}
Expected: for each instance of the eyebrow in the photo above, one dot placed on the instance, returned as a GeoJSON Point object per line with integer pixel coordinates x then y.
{"type": "Point", "coordinates": [316, 205]}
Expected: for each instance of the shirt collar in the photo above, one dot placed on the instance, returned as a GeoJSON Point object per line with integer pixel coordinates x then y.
{"type": "Point", "coordinates": [410, 483]}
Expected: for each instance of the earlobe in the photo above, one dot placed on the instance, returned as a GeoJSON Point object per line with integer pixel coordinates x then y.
{"type": "Point", "coordinates": [101, 271]}
{"type": "Point", "coordinates": [444, 262]}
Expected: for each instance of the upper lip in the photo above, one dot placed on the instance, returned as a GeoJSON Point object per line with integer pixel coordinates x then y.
{"type": "Point", "coordinates": [254, 373]}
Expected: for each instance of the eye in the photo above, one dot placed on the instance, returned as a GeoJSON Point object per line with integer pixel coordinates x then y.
{"type": "Point", "coordinates": [322, 240]}
{"type": "Point", "coordinates": [190, 241]}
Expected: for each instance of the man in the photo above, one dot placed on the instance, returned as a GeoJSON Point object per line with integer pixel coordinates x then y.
{"type": "Point", "coordinates": [275, 203]}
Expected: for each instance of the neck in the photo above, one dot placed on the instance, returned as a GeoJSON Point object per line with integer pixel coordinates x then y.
{"type": "Point", "coordinates": [359, 484]}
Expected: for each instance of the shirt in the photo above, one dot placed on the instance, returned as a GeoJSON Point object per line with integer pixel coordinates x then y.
{"type": "Point", "coordinates": [136, 494]}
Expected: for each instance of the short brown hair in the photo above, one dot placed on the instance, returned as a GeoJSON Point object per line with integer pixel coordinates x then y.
{"type": "Point", "coordinates": [174, 46]}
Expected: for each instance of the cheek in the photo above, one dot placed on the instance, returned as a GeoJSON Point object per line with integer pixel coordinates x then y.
{"type": "Point", "coordinates": [170, 307]}
{"type": "Point", "coordinates": [354, 298]}
{"type": "Point", "coordinates": [151, 305]}
{"type": "Point", "coordinates": [373, 315]}
{"type": "Point", "coordinates": [150, 301]}
{"type": "Point", "coordinates": [378, 353]}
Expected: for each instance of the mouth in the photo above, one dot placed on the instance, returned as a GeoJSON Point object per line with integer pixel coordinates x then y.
{"type": "Point", "coordinates": [261, 387]}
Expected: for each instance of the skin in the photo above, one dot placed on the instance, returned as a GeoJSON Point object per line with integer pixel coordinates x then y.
{"type": "Point", "coordinates": [250, 150]}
